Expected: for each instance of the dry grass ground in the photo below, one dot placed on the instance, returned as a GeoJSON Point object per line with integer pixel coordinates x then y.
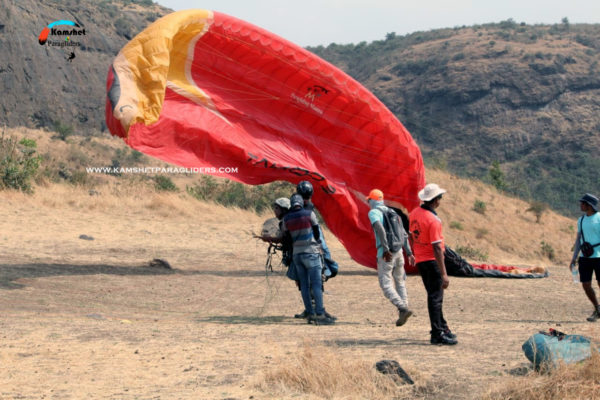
{"type": "Point", "coordinates": [581, 381]}
{"type": "Point", "coordinates": [90, 319]}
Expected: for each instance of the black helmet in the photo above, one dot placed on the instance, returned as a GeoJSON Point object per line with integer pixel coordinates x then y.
{"type": "Point", "coordinates": [305, 189]}
{"type": "Point", "coordinates": [296, 201]}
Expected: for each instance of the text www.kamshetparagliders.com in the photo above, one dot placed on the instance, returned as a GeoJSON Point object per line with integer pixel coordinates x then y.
{"type": "Point", "coordinates": [161, 170]}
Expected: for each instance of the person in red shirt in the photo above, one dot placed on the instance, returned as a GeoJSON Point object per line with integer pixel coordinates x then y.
{"type": "Point", "coordinates": [428, 249]}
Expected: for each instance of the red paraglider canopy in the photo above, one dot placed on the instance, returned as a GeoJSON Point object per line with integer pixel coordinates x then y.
{"type": "Point", "coordinates": [201, 89]}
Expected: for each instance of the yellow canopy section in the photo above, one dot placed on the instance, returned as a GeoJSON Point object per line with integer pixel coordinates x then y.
{"type": "Point", "coordinates": [158, 57]}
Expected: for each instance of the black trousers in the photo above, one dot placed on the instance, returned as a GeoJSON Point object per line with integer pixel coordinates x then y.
{"type": "Point", "coordinates": [432, 279]}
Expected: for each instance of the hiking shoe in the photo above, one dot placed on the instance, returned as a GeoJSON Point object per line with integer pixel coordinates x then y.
{"type": "Point", "coordinates": [304, 314]}
{"type": "Point", "coordinates": [449, 333]}
{"type": "Point", "coordinates": [443, 339]}
{"type": "Point", "coordinates": [320, 319]}
{"type": "Point", "coordinates": [329, 316]}
{"type": "Point", "coordinates": [403, 316]}
{"type": "Point", "coordinates": [594, 317]}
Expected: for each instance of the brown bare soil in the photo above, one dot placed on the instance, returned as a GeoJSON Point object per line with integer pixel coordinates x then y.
{"type": "Point", "coordinates": [92, 319]}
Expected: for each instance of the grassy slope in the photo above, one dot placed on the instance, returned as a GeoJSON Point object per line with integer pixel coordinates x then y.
{"type": "Point", "coordinates": [506, 232]}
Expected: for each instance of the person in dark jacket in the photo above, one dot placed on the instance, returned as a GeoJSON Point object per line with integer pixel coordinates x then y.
{"type": "Point", "coordinates": [303, 228]}
{"type": "Point", "coordinates": [331, 268]}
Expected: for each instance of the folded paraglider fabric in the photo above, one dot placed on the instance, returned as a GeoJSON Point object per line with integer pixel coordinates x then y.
{"type": "Point", "coordinates": [458, 266]}
{"type": "Point", "coordinates": [545, 350]}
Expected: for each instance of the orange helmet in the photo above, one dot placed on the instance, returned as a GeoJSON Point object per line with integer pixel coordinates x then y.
{"type": "Point", "coordinates": [375, 194]}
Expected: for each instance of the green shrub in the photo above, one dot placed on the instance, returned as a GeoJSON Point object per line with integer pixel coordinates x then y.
{"type": "Point", "coordinates": [205, 189]}
{"type": "Point", "coordinates": [481, 232]}
{"type": "Point", "coordinates": [164, 184]}
{"type": "Point", "coordinates": [458, 56]}
{"type": "Point", "coordinates": [456, 225]}
{"type": "Point", "coordinates": [497, 176]}
{"type": "Point", "coordinates": [79, 178]}
{"type": "Point", "coordinates": [537, 208]}
{"type": "Point", "coordinates": [136, 156]}
{"type": "Point", "coordinates": [19, 163]}
{"type": "Point", "coordinates": [548, 251]}
{"type": "Point", "coordinates": [471, 253]}
{"type": "Point", "coordinates": [63, 130]}
{"type": "Point", "coordinates": [479, 207]}
{"type": "Point", "coordinates": [234, 194]}
{"type": "Point", "coordinates": [28, 143]}
{"type": "Point", "coordinates": [123, 27]}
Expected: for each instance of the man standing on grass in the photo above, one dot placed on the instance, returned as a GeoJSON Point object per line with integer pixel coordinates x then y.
{"type": "Point", "coordinates": [587, 247]}
{"type": "Point", "coordinates": [428, 248]}
{"type": "Point", "coordinates": [390, 264]}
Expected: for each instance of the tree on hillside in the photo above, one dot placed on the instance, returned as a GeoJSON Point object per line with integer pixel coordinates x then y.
{"type": "Point", "coordinates": [537, 208]}
{"type": "Point", "coordinates": [497, 176]}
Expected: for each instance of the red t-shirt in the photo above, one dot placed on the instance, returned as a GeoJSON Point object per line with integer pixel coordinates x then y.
{"type": "Point", "coordinates": [426, 229]}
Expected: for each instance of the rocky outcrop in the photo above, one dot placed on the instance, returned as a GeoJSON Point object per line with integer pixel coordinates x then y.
{"type": "Point", "coordinates": [40, 85]}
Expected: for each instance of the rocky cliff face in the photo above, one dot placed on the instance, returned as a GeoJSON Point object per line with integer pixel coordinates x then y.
{"type": "Point", "coordinates": [40, 85]}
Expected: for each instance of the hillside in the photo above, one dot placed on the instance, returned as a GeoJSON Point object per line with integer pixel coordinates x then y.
{"type": "Point", "coordinates": [482, 223]}
{"type": "Point", "coordinates": [524, 96]}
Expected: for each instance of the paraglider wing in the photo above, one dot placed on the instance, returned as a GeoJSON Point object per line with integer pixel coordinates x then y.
{"type": "Point", "coordinates": [201, 89]}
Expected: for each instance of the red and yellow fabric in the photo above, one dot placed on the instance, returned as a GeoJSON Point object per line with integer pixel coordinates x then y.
{"type": "Point", "coordinates": [203, 89]}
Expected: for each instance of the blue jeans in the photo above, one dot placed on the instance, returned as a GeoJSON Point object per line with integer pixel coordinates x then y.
{"type": "Point", "coordinates": [308, 269]}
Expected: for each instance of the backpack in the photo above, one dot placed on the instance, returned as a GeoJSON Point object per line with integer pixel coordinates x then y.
{"type": "Point", "coordinates": [394, 230]}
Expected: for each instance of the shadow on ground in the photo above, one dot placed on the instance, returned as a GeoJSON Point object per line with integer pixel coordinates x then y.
{"type": "Point", "coordinates": [377, 342]}
{"type": "Point", "coordinates": [12, 272]}
{"type": "Point", "coordinates": [9, 273]}
{"type": "Point", "coordinates": [249, 320]}
{"type": "Point", "coordinates": [259, 320]}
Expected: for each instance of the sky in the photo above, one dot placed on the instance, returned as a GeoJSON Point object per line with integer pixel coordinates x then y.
{"type": "Point", "coordinates": [321, 22]}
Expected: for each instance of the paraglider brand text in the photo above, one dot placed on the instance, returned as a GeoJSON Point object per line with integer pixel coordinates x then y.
{"type": "Point", "coordinates": [307, 103]}
{"type": "Point", "coordinates": [298, 171]}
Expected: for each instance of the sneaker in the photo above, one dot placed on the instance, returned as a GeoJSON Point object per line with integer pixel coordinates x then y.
{"type": "Point", "coordinates": [443, 339]}
{"type": "Point", "coordinates": [594, 317]}
{"type": "Point", "coordinates": [320, 319]}
{"type": "Point", "coordinates": [304, 314]}
{"type": "Point", "coordinates": [403, 316]}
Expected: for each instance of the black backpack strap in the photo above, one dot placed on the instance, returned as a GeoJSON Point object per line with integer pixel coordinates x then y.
{"type": "Point", "coordinates": [583, 237]}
